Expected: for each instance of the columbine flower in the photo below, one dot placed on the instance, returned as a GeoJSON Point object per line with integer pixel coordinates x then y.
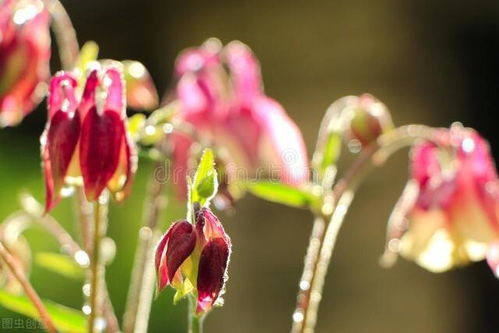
{"type": "Point", "coordinates": [86, 139]}
{"type": "Point", "coordinates": [194, 258]}
{"type": "Point", "coordinates": [24, 57]}
{"type": "Point", "coordinates": [230, 109]}
{"type": "Point", "coordinates": [448, 214]}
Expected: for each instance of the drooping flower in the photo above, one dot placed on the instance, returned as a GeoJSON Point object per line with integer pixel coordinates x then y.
{"type": "Point", "coordinates": [220, 94]}
{"type": "Point", "coordinates": [449, 212]}
{"type": "Point", "coordinates": [86, 139]}
{"type": "Point", "coordinates": [24, 57]}
{"type": "Point", "coordinates": [194, 258]}
{"type": "Point", "coordinates": [141, 92]}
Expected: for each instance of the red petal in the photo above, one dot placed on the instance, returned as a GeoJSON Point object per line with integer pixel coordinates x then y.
{"type": "Point", "coordinates": [173, 249]}
{"type": "Point", "coordinates": [211, 272]}
{"type": "Point", "coordinates": [61, 138]}
{"type": "Point", "coordinates": [100, 145]}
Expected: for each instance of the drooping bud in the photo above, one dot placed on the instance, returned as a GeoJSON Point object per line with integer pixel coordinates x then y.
{"type": "Point", "coordinates": [173, 249]}
{"type": "Point", "coordinates": [216, 248]}
{"type": "Point", "coordinates": [87, 138]}
{"type": "Point", "coordinates": [141, 92]}
{"type": "Point", "coordinates": [369, 119]}
{"type": "Point", "coordinates": [24, 57]}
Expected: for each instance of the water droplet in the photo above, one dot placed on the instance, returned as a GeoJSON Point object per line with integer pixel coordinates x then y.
{"type": "Point", "coordinates": [67, 191]}
{"type": "Point", "coordinates": [86, 309]}
{"type": "Point", "coordinates": [100, 324]}
{"type": "Point", "coordinates": [468, 145]}
{"type": "Point", "coordinates": [136, 70]}
{"type": "Point", "coordinates": [86, 289]}
{"type": "Point", "coordinates": [167, 128]}
{"type": "Point", "coordinates": [150, 130]}
{"type": "Point", "coordinates": [304, 285]}
{"type": "Point", "coordinates": [297, 317]}
{"type": "Point", "coordinates": [81, 258]}
{"type": "Point", "coordinates": [354, 146]}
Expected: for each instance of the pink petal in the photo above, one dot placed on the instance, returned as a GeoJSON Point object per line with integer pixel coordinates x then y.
{"type": "Point", "coordinates": [282, 143]}
{"type": "Point", "coordinates": [244, 69]}
{"type": "Point", "coordinates": [115, 99]}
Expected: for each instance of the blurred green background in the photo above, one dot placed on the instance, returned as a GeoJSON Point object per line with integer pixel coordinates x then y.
{"type": "Point", "coordinates": [431, 62]}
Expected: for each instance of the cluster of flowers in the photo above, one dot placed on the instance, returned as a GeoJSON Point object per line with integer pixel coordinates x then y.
{"type": "Point", "coordinates": [447, 216]}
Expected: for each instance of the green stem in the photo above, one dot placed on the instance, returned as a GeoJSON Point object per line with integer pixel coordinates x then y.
{"type": "Point", "coordinates": [94, 268]}
{"type": "Point", "coordinates": [17, 271]}
{"type": "Point", "coordinates": [195, 321]}
{"type": "Point", "coordinates": [323, 238]}
{"type": "Point", "coordinates": [140, 293]}
{"type": "Point", "coordinates": [64, 33]}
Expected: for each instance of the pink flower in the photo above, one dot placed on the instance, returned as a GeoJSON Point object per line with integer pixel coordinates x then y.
{"type": "Point", "coordinates": [451, 203]}
{"type": "Point", "coordinates": [86, 141]}
{"type": "Point", "coordinates": [24, 57]}
{"type": "Point", "coordinates": [230, 109]}
{"type": "Point", "coordinates": [194, 258]}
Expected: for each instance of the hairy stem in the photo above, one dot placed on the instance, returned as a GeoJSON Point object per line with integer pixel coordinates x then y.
{"type": "Point", "coordinates": [65, 34]}
{"type": "Point", "coordinates": [94, 268]}
{"type": "Point", "coordinates": [30, 292]}
{"type": "Point", "coordinates": [86, 221]}
{"type": "Point", "coordinates": [323, 238]}
{"type": "Point", "coordinates": [195, 321]}
{"type": "Point", "coordinates": [141, 290]}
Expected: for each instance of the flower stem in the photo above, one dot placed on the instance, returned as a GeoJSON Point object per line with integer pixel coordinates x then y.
{"type": "Point", "coordinates": [140, 293]}
{"type": "Point", "coordinates": [65, 34]}
{"type": "Point", "coordinates": [94, 267]}
{"type": "Point", "coordinates": [195, 321]}
{"type": "Point", "coordinates": [325, 231]}
{"type": "Point", "coordinates": [30, 292]}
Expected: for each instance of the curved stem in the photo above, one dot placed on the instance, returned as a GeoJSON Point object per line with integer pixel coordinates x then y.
{"type": "Point", "coordinates": [30, 292]}
{"type": "Point", "coordinates": [65, 34]}
{"type": "Point", "coordinates": [141, 290]}
{"type": "Point", "coordinates": [94, 268]}
{"type": "Point", "coordinates": [323, 237]}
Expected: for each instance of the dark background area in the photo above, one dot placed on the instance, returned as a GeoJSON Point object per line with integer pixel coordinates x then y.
{"type": "Point", "coordinates": [432, 62]}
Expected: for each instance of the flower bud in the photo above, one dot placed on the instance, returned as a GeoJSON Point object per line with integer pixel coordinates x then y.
{"type": "Point", "coordinates": [369, 119]}
{"type": "Point", "coordinates": [173, 249]}
{"type": "Point", "coordinates": [24, 57]}
{"type": "Point", "coordinates": [141, 92]}
{"type": "Point", "coordinates": [86, 139]}
{"type": "Point", "coordinates": [194, 255]}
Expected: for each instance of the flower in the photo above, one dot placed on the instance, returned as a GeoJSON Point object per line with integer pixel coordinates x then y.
{"type": "Point", "coordinates": [86, 139]}
{"type": "Point", "coordinates": [229, 108]}
{"type": "Point", "coordinates": [448, 214]}
{"type": "Point", "coordinates": [24, 57]}
{"type": "Point", "coordinates": [194, 258]}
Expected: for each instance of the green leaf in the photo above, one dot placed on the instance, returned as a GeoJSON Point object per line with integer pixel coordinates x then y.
{"type": "Point", "coordinates": [65, 319]}
{"type": "Point", "coordinates": [332, 150]}
{"type": "Point", "coordinates": [60, 264]}
{"type": "Point", "coordinates": [205, 183]}
{"type": "Point", "coordinates": [283, 194]}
